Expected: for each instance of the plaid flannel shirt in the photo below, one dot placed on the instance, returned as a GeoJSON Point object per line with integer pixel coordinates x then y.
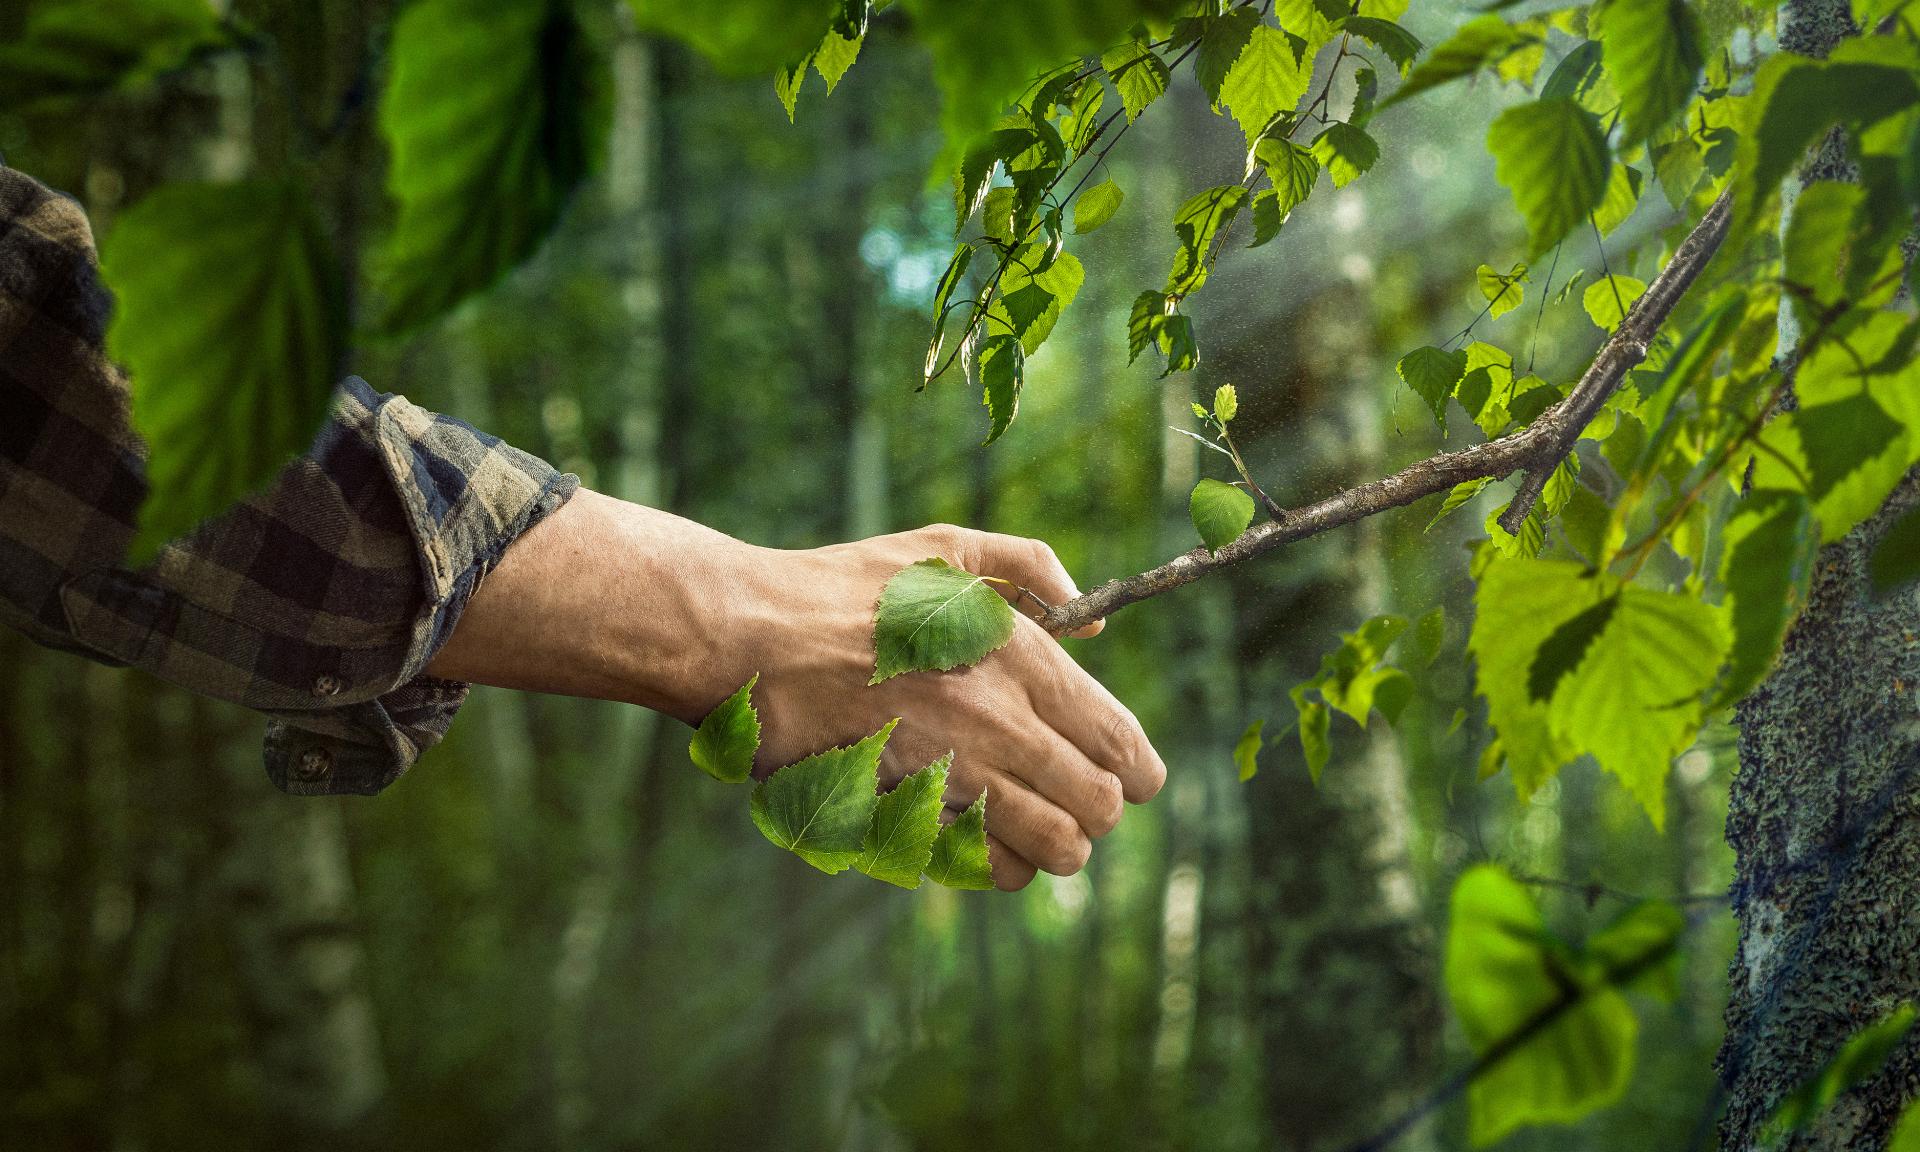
{"type": "Point", "coordinates": [317, 602]}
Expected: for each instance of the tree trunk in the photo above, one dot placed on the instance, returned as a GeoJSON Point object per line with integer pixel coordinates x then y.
{"type": "Point", "coordinates": [1821, 816]}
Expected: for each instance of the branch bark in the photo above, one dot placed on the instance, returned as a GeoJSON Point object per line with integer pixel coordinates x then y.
{"type": "Point", "coordinates": [1535, 450]}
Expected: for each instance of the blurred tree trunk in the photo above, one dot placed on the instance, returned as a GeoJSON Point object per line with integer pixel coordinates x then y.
{"type": "Point", "coordinates": [299, 953]}
{"type": "Point", "coordinates": [1341, 958]}
{"type": "Point", "coordinates": [1823, 811]}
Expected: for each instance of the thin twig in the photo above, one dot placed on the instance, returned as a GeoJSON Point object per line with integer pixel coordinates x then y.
{"type": "Point", "coordinates": [1536, 449]}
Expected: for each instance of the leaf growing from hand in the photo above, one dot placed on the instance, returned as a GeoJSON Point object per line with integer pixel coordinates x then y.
{"type": "Point", "coordinates": [724, 744]}
{"type": "Point", "coordinates": [819, 808]}
{"type": "Point", "coordinates": [934, 617]}
{"type": "Point", "coordinates": [1220, 512]}
{"type": "Point", "coordinates": [959, 858]}
{"type": "Point", "coordinates": [899, 840]}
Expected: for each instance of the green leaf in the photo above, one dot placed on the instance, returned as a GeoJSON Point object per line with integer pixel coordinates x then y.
{"type": "Point", "coordinates": [1577, 75]}
{"type": "Point", "coordinates": [1057, 283]}
{"type": "Point", "coordinates": [1346, 152]}
{"type": "Point", "coordinates": [227, 390]}
{"type": "Point", "coordinates": [959, 857]}
{"type": "Point", "coordinates": [1220, 511]}
{"type": "Point", "coordinates": [1481, 42]}
{"type": "Point", "coordinates": [1857, 1061]}
{"type": "Point", "coordinates": [1518, 605]}
{"type": "Point", "coordinates": [819, 808]}
{"type": "Point", "coordinates": [1266, 80]}
{"type": "Point", "coordinates": [1460, 493]}
{"type": "Point", "coordinates": [1432, 373]}
{"type": "Point", "coordinates": [1292, 168]}
{"type": "Point", "coordinates": [481, 171]}
{"type": "Point", "coordinates": [742, 37]}
{"type": "Point", "coordinates": [835, 55]}
{"type": "Point", "coordinates": [1503, 975]}
{"type": "Point", "coordinates": [1267, 217]}
{"type": "Point", "coordinates": [1609, 299]}
{"type": "Point", "coordinates": [1082, 120]}
{"type": "Point", "coordinates": [1767, 565]}
{"type": "Point", "coordinates": [1795, 100]}
{"type": "Point", "coordinates": [1096, 206]}
{"type": "Point", "coordinates": [1895, 563]}
{"type": "Point", "coordinates": [724, 744]}
{"type": "Point", "coordinates": [1563, 651]}
{"type": "Point", "coordinates": [1622, 197]}
{"type": "Point", "coordinates": [1429, 634]}
{"type": "Point", "coordinates": [1177, 345]}
{"type": "Point", "coordinates": [1315, 721]}
{"type": "Point", "coordinates": [1552, 155]}
{"type": "Point", "coordinates": [1138, 74]}
{"type": "Point", "coordinates": [1196, 224]}
{"type": "Point", "coordinates": [1220, 46]}
{"type": "Point", "coordinates": [935, 617]}
{"type": "Point", "coordinates": [787, 82]}
{"type": "Point", "coordinates": [1504, 291]}
{"type": "Point", "coordinates": [1002, 370]}
{"type": "Point", "coordinates": [1246, 751]}
{"type": "Point", "coordinates": [1634, 701]}
{"type": "Point", "coordinates": [78, 48]}
{"type": "Point", "coordinates": [1144, 322]}
{"type": "Point", "coordinates": [1906, 1134]}
{"type": "Point", "coordinates": [1653, 52]}
{"type": "Point", "coordinates": [898, 844]}
{"type": "Point", "coordinates": [1400, 45]}
{"type": "Point", "coordinates": [1226, 403]}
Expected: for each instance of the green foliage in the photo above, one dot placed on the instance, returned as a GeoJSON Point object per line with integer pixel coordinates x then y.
{"type": "Point", "coordinates": [1433, 373]}
{"type": "Point", "coordinates": [1196, 224]}
{"type": "Point", "coordinates": [1552, 155]}
{"type": "Point", "coordinates": [1555, 1015]}
{"type": "Point", "coordinates": [1482, 42]}
{"type": "Point", "coordinates": [229, 388]}
{"type": "Point", "coordinates": [1608, 299]}
{"type": "Point", "coordinates": [935, 617]}
{"type": "Point", "coordinates": [481, 171]}
{"type": "Point", "coordinates": [1653, 53]}
{"type": "Point", "coordinates": [1096, 206]}
{"type": "Point", "coordinates": [1400, 45]}
{"type": "Point", "coordinates": [1504, 291]}
{"type": "Point", "coordinates": [79, 48]}
{"type": "Point", "coordinates": [1354, 680]}
{"type": "Point", "coordinates": [1138, 74]}
{"type": "Point", "coordinates": [1267, 80]}
{"type": "Point", "coordinates": [1857, 1061]}
{"type": "Point", "coordinates": [1767, 566]}
{"type": "Point", "coordinates": [1345, 151]}
{"type": "Point", "coordinates": [898, 845]}
{"type": "Point", "coordinates": [724, 744]}
{"type": "Point", "coordinates": [1626, 684]}
{"type": "Point", "coordinates": [741, 38]}
{"type": "Point", "coordinates": [819, 808]}
{"type": "Point", "coordinates": [1246, 751]}
{"type": "Point", "coordinates": [959, 855]}
{"type": "Point", "coordinates": [1220, 511]}
{"type": "Point", "coordinates": [1220, 47]}
{"type": "Point", "coordinates": [1002, 371]}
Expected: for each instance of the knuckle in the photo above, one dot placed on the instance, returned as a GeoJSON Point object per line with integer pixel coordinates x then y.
{"type": "Point", "coordinates": [1063, 846]}
{"type": "Point", "coordinates": [1110, 803]}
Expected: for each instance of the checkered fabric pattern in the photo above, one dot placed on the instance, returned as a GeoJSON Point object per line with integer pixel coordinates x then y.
{"type": "Point", "coordinates": [317, 602]}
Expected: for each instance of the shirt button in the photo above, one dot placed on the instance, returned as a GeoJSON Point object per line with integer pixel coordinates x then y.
{"type": "Point", "coordinates": [324, 686]}
{"type": "Point", "coordinates": [313, 765]}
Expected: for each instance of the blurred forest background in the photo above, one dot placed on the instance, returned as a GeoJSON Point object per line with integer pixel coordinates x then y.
{"type": "Point", "coordinates": [555, 934]}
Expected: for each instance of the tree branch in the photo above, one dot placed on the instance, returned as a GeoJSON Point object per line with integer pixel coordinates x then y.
{"type": "Point", "coordinates": [1537, 450]}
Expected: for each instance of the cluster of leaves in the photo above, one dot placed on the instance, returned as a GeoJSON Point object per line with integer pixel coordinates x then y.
{"type": "Point", "coordinates": [827, 810]}
{"type": "Point", "coordinates": [931, 617]}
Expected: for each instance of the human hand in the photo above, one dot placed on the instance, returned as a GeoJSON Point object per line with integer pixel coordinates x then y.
{"type": "Point", "coordinates": [617, 601]}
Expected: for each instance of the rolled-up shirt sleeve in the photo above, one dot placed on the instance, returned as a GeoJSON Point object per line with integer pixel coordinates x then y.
{"type": "Point", "coordinates": [319, 601]}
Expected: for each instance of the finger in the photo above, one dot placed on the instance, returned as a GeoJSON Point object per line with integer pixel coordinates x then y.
{"type": "Point", "coordinates": [1027, 564]}
{"type": "Point", "coordinates": [1033, 827]}
{"type": "Point", "coordinates": [1011, 871]}
{"type": "Point", "coordinates": [1057, 769]}
{"type": "Point", "coordinates": [1081, 709]}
